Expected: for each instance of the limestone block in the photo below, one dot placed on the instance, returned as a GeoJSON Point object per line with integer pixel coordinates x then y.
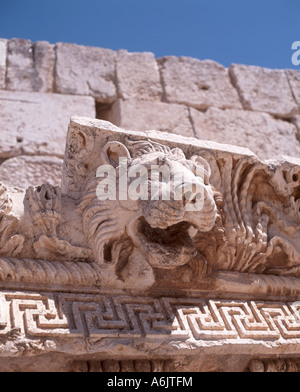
{"type": "Point", "coordinates": [296, 122]}
{"type": "Point", "coordinates": [260, 132]}
{"type": "Point", "coordinates": [197, 83]}
{"type": "Point", "coordinates": [264, 90]}
{"type": "Point", "coordinates": [3, 54]}
{"type": "Point", "coordinates": [82, 70]}
{"type": "Point", "coordinates": [138, 76]}
{"type": "Point", "coordinates": [294, 79]}
{"type": "Point", "coordinates": [36, 123]}
{"type": "Point", "coordinates": [145, 115]}
{"type": "Point", "coordinates": [30, 66]}
{"type": "Point", "coordinates": [25, 171]}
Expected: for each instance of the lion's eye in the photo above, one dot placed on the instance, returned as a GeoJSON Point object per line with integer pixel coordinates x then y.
{"type": "Point", "coordinates": [160, 161]}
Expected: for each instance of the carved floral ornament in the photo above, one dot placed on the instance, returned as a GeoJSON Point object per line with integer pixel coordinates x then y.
{"type": "Point", "coordinates": [248, 222]}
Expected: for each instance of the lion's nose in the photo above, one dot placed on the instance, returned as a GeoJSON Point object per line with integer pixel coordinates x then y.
{"type": "Point", "coordinates": [163, 213]}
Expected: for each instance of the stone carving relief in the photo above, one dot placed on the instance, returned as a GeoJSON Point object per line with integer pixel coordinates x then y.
{"type": "Point", "coordinates": [110, 365]}
{"type": "Point", "coordinates": [69, 315]}
{"type": "Point", "coordinates": [11, 241]}
{"type": "Point", "coordinates": [249, 222]}
{"type": "Point", "coordinates": [261, 222]}
{"type": "Point", "coordinates": [274, 365]}
{"type": "Point", "coordinates": [80, 275]}
{"type": "Point", "coordinates": [142, 235]}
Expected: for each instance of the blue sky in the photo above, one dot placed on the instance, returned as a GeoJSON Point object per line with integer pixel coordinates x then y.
{"type": "Point", "coordinates": [256, 32]}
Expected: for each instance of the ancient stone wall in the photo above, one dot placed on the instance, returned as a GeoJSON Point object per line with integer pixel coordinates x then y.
{"type": "Point", "coordinates": [43, 85]}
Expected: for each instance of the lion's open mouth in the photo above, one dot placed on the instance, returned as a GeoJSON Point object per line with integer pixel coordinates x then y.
{"type": "Point", "coordinates": [166, 248]}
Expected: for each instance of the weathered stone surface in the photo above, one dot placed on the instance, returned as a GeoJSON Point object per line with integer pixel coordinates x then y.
{"type": "Point", "coordinates": [296, 122]}
{"type": "Point", "coordinates": [3, 54]}
{"type": "Point", "coordinates": [30, 66]}
{"type": "Point", "coordinates": [143, 115]}
{"type": "Point", "coordinates": [274, 365]}
{"type": "Point", "coordinates": [138, 76]}
{"type": "Point", "coordinates": [264, 90]}
{"type": "Point", "coordinates": [36, 123]}
{"type": "Point", "coordinates": [294, 79]}
{"type": "Point", "coordinates": [82, 70]}
{"type": "Point", "coordinates": [260, 132]}
{"type": "Point", "coordinates": [25, 171]}
{"type": "Point", "coordinates": [93, 284]}
{"type": "Point", "coordinates": [197, 83]}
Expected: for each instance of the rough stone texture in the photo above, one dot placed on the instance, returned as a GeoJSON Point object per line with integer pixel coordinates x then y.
{"type": "Point", "coordinates": [36, 123]}
{"type": "Point", "coordinates": [245, 128]}
{"type": "Point", "coordinates": [143, 115]}
{"type": "Point", "coordinates": [263, 89]}
{"type": "Point", "coordinates": [274, 365]}
{"type": "Point", "coordinates": [25, 171]}
{"type": "Point", "coordinates": [3, 54]}
{"type": "Point", "coordinates": [296, 122]}
{"type": "Point", "coordinates": [294, 79]}
{"type": "Point", "coordinates": [138, 76]}
{"type": "Point", "coordinates": [30, 66]}
{"type": "Point", "coordinates": [197, 83]}
{"type": "Point", "coordinates": [82, 70]}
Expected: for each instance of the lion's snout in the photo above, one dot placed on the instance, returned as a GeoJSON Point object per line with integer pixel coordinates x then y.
{"type": "Point", "coordinates": [164, 213]}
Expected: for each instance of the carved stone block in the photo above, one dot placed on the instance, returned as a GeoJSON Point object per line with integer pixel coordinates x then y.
{"type": "Point", "coordinates": [274, 365]}
{"type": "Point", "coordinates": [124, 268]}
{"type": "Point", "coordinates": [123, 366]}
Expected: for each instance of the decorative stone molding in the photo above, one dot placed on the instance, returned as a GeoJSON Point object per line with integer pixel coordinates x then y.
{"type": "Point", "coordinates": [107, 365]}
{"type": "Point", "coordinates": [71, 315]}
{"type": "Point", "coordinates": [82, 276]}
{"type": "Point", "coordinates": [274, 366]}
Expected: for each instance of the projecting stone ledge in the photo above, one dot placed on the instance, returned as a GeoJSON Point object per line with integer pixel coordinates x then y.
{"type": "Point", "coordinates": [94, 283]}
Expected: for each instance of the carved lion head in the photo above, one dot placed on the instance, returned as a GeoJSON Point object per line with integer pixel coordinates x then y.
{"type": "Point", "coordinates": [153, 227]}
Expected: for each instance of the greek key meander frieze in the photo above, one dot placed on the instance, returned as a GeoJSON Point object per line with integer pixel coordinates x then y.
{"type": "Point", "coordinates": [107, 316]}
